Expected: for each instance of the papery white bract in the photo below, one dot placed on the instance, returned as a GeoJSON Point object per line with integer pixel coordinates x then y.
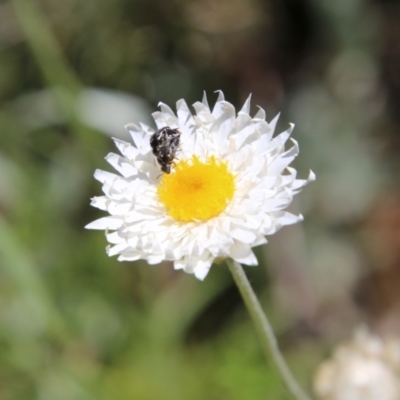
{"type": "Point", "coordinates": [215, 145]}
{"type": "Point", "coordinates": [364, 368]}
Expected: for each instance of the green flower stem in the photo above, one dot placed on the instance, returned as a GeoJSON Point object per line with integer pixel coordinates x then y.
{"type": "Point", "coordinates": [59, 76]}
{"type": "Point", "coordinates": [265, 331]}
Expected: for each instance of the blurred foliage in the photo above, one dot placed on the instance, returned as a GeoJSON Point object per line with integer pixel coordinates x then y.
{"type": "Point", "coordinates": [78, 325]}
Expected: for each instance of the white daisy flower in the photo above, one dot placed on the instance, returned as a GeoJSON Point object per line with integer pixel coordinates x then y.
{"type": "Point", "coordinates": [228, 188]}
{"type": "Point", "coordinates": [364, 368]}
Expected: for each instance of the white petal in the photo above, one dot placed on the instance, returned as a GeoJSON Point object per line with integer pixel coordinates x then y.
{"type": "Point", "coordinates": [126, 149]}
{"type": "Point", "coordinates": [224, 124]}
{"type": "Point", "coordinates": [201, 271]}
{"type": "Point", "coordinates": [204, 101]}
{"type": "Point", "coordinates": [121, 164]}
{"type": "Point", "coordinates": [261, 115]}
{"type": "Point", "coordinates": [155, 259]}
{"type": "Point", "coordinates": [117, 249]}
{"type": "Point", "coordinates": [203, 113]}
{"type": "Point", "coordinates": [164, 119]}
{"type": "Point", "coordinates": [139, 136]}
{"type": "Point", "coordinates": [187, 125]}
{"type": "Point", "coordinates": [146, 129]}
{"type": "Point", "coordinates": [116, 237]}
{"type": "Point", "coordinates": [132, 128]}
{"type": "Point", "coordinates": [104, 176]}
{"type": "Point", "coordinates": [311, 176]}
{"type": "Point", "coordinates": [243, 236]}
{"type": "Point", "coordinates": [99, 202]}
{"type": "Point", "coordinates": [287, 218]}
{"type": "Point", "coordinates": [220, 99]}
{"type": "Point", "coordinates": [242, 253]}
{"type": "Point", "coordinates": [120, 208]}
{"type": "Point", "coordinates": [166, 110]}
{"type": "Point", "coordinates": [280, 140]}
{"type": "Point", "coordinates": [246, 106]}
{"type": "Point", "coordinates": [259, 241]}
{"type": "Point", "coordinates": [105, 223]}
{"type": "Point", "coordinates": [186, 120]}
{"type": "Point", "coordinates": [243, 135]}
{"type": "Point", "coordinates": [130, 256]}
{"type": "Point", "coordinates": [273, 123]}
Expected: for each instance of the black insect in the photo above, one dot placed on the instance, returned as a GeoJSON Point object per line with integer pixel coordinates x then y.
{"type": "Point", "coordinates": [165, 144]}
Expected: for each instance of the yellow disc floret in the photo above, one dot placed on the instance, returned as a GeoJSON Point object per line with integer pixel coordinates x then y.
{"type": "Point", "coordinates": [197, 190]}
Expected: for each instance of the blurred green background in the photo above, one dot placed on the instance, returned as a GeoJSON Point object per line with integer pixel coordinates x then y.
{"type": "Point", "coordinates": [77, 325]}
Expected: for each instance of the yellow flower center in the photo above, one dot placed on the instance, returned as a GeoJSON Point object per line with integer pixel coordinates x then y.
{"type": "Point", "coordinates": [197, 190]}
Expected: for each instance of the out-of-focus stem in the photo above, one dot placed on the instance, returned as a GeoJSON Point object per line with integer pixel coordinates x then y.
{"type": "Point", "coordinates": [57, 73]}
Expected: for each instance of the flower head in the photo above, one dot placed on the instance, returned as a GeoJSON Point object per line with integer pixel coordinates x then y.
{"type": "Point", "coordinates": [228, 187]}
{"type": "Point", "coordinates": [364, 368]}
